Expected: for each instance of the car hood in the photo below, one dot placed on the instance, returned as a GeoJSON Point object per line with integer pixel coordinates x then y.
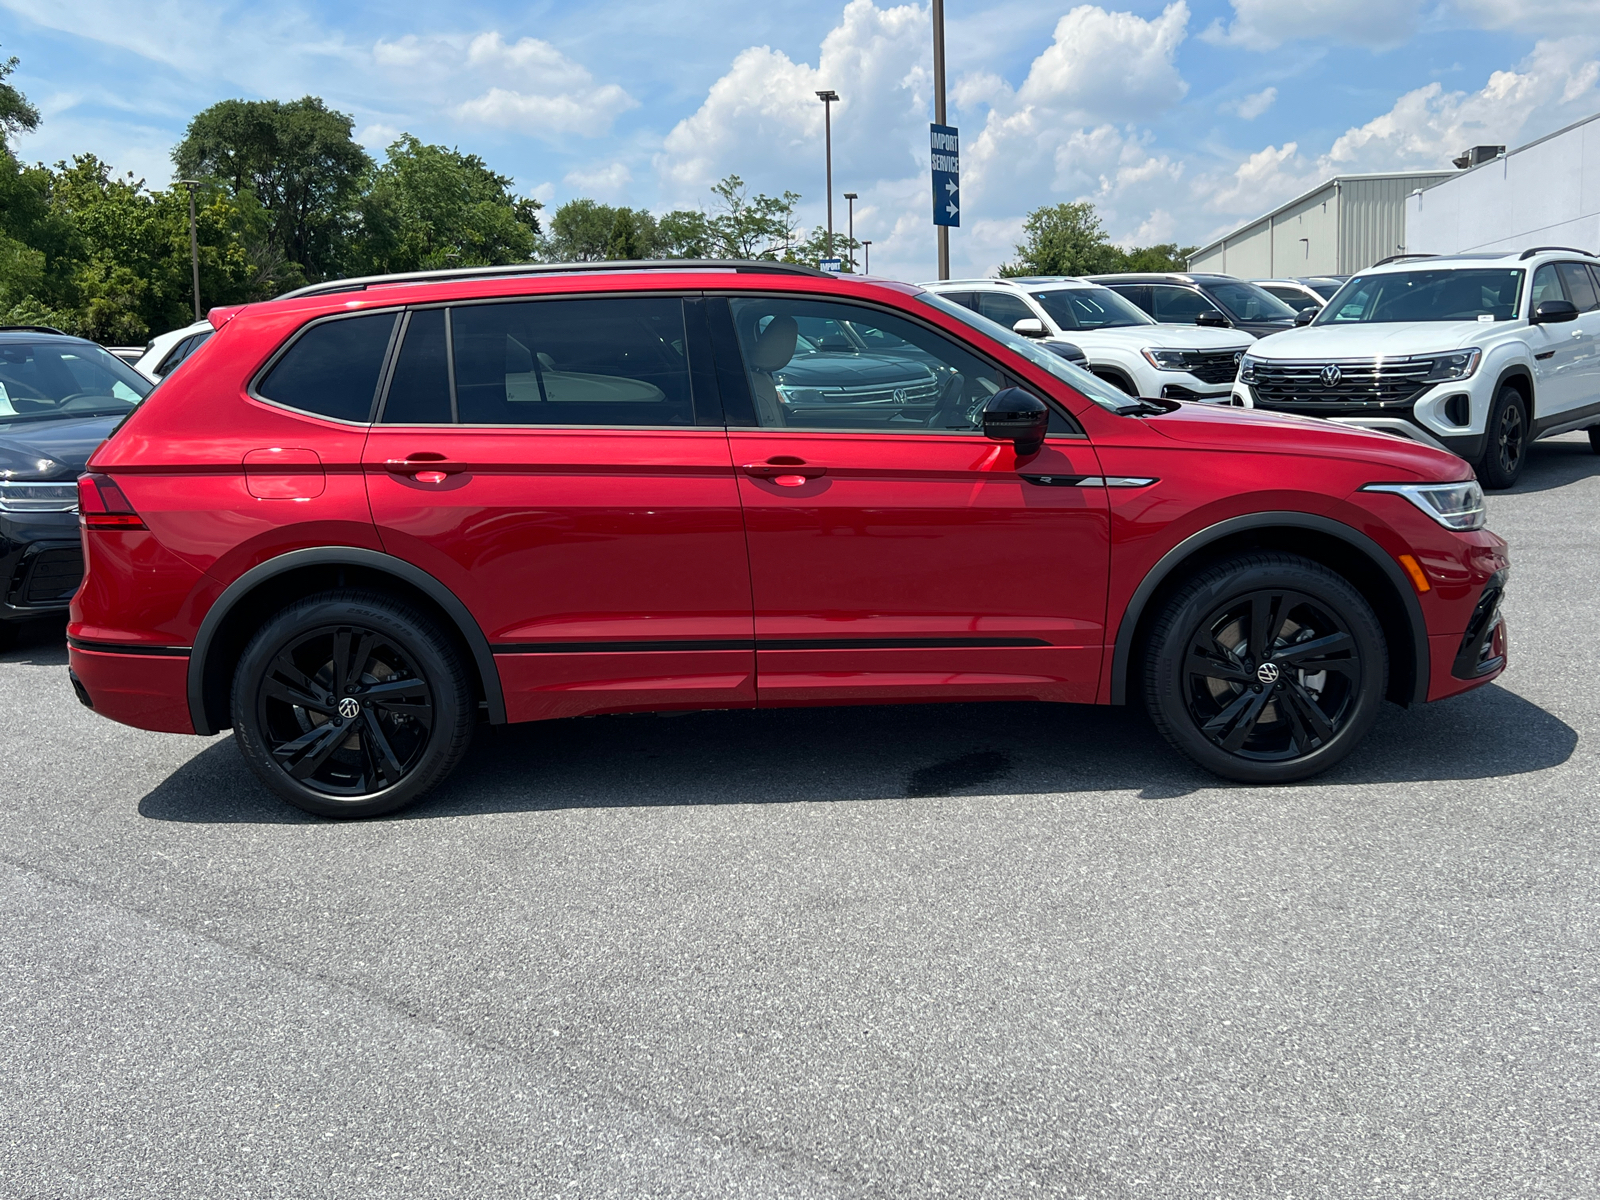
{"type": "Point", "coordinates": [1166, 337]}
{"type": "Point", "coordinates": [1224, 428]}
{"type": "Point", "coordinates": [1368, 341]}
{"type": "Point", "coordinates": [860, 369]}
{"type": "Point", "coordinates": [63, 445]}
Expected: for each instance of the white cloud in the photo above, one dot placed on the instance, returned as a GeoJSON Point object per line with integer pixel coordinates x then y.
{"type": "Point", "coordinates": [604, 182]}
{"type": "Point", "coordinates": [1253, 105]}
{"type": "Point", "coordinates": [1531, 16]}
{"type": "Point", "coordinates": [1265, 24]}
{"type": "Point", "coordinates": [1109, 66]}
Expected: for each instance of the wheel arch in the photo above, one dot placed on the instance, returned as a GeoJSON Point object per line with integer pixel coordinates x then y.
{"type": "Point", "coordinates": [1520, 374]}
{"type": "Point", "coordinates": [1115, 375]}
{"type": "Point", "coordinates": [1336, 545]}
{"type": "Point", "coordinates": [268, 586]}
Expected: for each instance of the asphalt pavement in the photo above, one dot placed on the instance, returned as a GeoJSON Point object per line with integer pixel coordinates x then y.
{"type": "Point", "coordinates": [966, 951]}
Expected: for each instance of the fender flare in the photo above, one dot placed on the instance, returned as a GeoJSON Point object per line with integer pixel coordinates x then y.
{"type": "Point", "coordinates": [345, 556]}
{"type": "Point", "coordinates": [1122, 653]}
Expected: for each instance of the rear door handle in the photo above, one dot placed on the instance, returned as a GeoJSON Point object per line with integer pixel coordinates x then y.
{"type": "Point", "coordinates": [769, 470]}
{"type": "Point", "coordinates": [430, 463]}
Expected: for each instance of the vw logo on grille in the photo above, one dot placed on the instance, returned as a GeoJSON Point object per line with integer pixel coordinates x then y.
{"type": "Point", "coordinates": [899, 395]}
{"type": "Point", "coordinates": [1331, 375]}
{"type": "Point", "coordinates": [1267, 672]}
{"type": "Point", "coordinates": [350, 708]}
{"type": "Point", "coordinates": [1238, 357]}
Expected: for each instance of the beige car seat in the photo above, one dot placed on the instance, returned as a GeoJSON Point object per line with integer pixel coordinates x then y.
{"type": "Point", "coordinates": [773, 349]}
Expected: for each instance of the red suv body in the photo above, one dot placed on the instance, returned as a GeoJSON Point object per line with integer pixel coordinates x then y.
{"type": "Point", "coordinates": [369, 514]}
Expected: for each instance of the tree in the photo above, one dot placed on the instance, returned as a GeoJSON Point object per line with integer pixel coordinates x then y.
{"type": "Point", "coordinates": [429, 206]}
{"type": "Point", "coordinates": [751, 227]}
{"type": "Point", "coordinates": [297, 159]}
{"type": "Point", "coordinates": [1064, 239]}
{"type": "Point", "coordinates": [683, 233]}
{"type": "Point", "coordinates": [1167, 256]}
{"type": "Point", "coordinates": [16, 114]}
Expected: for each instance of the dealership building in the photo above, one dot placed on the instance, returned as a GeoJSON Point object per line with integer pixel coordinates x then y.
{"type": "Point", "coordinates": [1546, 193]}
{"type": "Point", "coordinates": [1339, 228]}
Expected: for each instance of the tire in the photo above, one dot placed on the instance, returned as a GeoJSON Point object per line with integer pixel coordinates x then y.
{"type": "Point", "coordinates": [1235, 696]}
{"type": "Point", "coordinates": [8, 634]}
{"type": "Point", "coordinates": [1594, 438]}
{"type": "Point", "coordinates": [1508, 435]}
{"type": "Point", "coordinates": [294, 681]}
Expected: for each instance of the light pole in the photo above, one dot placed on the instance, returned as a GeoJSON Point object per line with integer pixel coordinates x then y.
{"type": "Point", "coordinates": [939, 119]}
{"type": "Point", "coordinates": [827, 98]}
{"type": "Point", "coordinates": [194, 243]}
{"type": "Point", "coordinates": [850, 235]}
{"type": "Point", "coordinates": [866, 257]}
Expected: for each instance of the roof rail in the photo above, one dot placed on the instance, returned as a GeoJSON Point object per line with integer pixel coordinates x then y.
{"type": "Point", "coordinates": [1532, 250]}
{"type": "Point", "coordinates": [1401, 258]}
{"type": "Point", "coordinates": [458, 274]}
{"type": "Point", "coordinates": [33, 329]}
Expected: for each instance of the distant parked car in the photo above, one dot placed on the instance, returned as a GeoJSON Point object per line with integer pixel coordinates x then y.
{"type": "Point", "coordinates": [128, 354]}
{"type": "Point", "coordinates": [1303, 293]}
{"type": "Point", "coordinates": [163, 354]}
{"type": "Point", "coordinates": [1220, 301]}
{"type": "Point", "coordinates": [1122, 345]}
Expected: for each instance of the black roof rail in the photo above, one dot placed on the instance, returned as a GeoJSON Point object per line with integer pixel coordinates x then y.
{"type": "Point", "coordinates": [1532, 250]}
{"type": "Point", "coordinates": [34, 329]}
{"type": "Point", "coordinates": [457, 274]}
{"type": "Point", "coordinates": [1400, 258]}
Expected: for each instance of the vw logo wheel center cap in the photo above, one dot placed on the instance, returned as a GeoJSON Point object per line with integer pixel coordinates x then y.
{"type": "Point", "coordinates": [1267, 672]}
{"type": "Point", "coordinates": [350, 707]}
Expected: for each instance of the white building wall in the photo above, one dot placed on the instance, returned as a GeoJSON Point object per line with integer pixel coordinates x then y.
{"type": "Point", "coordinates": [1305, 238]}
{"type": "Point", "coordinates": [1544, 194]}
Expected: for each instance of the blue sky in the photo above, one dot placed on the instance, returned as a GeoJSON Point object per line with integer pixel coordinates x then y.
{"type": "Point", "coordinates": [1179, 119]}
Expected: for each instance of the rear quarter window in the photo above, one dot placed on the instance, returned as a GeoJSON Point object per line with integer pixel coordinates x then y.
{"type": "Point", "coordinates": [331, 369]}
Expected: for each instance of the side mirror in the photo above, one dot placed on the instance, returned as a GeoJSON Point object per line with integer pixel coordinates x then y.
{"type": "Point", "coordinates": [1030, 327]}
{"type": "Point", "coordinates": [1211, 318]}
{"type": "Point", "coordinates": [1554, 312]}
{"type": "Point", "coordinates": [1016, 416]}
{"type": "Point", "coordinates": [1306, 315]}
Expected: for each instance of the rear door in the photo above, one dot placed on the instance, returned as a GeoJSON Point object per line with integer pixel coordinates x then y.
{"type": "Point", "coordinates": [561, 465]}
{"type": "Point", "coordinates": [895, 553]}
{"type": "Point", "coordinates": [1579, 285]}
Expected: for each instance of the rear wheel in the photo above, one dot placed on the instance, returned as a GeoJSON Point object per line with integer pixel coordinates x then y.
{"type": "Point", "coordinates": [351, 704]}
{"type": "Point", "coordinates": [1594, 438]}
{"type": "Point", "coordinates": [1507, 448]}
{"type": "Point", "coordinates": [1266, 668]}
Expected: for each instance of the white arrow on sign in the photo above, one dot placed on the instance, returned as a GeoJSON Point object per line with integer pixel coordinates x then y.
{"type": "Point", "coordinates": [951, 210]}
{"type": "Point", "coordinates": [950, 186]}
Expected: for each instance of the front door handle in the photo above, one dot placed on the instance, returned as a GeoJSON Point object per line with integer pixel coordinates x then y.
{"type": "Point", "coordinates": [780, 472]}
{"type": "Point", "coordinates": [424, 468]}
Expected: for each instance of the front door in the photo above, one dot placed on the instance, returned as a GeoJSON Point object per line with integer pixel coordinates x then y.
{"type": "Point", "coordinates": [561, 465]}
{"type": "Point", "coordinates": [1558, 353]}
{"type": "Point", "coordinates": [895, 553]}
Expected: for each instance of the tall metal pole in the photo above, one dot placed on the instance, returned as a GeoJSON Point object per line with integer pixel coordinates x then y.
{"type": "Point", "coordinates": [194, 245]}
{"type": "Point", "coordinates": [850, 237]}
{"type": "Point", "coordinates": [827, 98]}
{"type": "Point", "coordinates": [939, 119]}
{"type": "Point", "coordinates": [866, 257]}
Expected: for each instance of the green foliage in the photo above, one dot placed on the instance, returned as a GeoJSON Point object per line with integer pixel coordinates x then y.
{"type": "Point", "coordinates": [751, 227]}
{"type": "Point", "coordinates": [1069, 239]}
{"type": "Point", "coordinates": [16, 114]}
{"type": "Point", "coordinates": [297, 159]}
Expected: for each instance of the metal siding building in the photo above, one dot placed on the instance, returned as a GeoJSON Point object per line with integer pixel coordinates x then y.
{"type": "Point", "coordinates": [1341, 227]}
{"type": "Point", "coordinates": [1544, 193]}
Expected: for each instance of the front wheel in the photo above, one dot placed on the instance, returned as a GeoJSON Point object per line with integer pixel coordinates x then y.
{"type": "Point", "coordinates": [1266, 668]}
{"type": "Point", "coordinates": [1507, 449]}
{"type": "Point", "coordinates": [1594, 438]}
{"type": "Point", "coordinates": [351, 704]}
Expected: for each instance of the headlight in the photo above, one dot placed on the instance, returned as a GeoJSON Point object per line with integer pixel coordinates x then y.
{"type": "Point", "coordinates": [1453, 505]}
{"type": "Point", "coordinates": [1168, 360]}
{"type": "Point", "coordinates": [38, 497]}
{"type": "Point", "coordinates": [1453, 366]}
{"type": "Point", "coordinates": [1247, 369]}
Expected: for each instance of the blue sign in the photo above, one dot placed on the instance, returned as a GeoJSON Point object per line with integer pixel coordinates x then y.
{"type": "Point", "coordinates": [946, 144]}
{"type": "Point", "coordinates": [835, 265]}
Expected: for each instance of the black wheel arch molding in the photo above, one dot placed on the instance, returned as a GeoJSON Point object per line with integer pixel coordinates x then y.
{"type": "Point", "coordinates": [335, 557]}
{"type": "Point", "coordinates": [1170, 568]}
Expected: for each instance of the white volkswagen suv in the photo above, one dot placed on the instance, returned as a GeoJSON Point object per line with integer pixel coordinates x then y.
{"type": "Point", "coordinates": [1123, 344]}
{"type": "Point", "coordinates": [1475, 353]}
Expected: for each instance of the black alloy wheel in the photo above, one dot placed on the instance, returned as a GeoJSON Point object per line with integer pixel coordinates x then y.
{"type": "Point", "coordinates": [351, 704]}
{"type": "Point", "coordinates": [1266, 668]}
{"type": "Point", "coordinates": [1507, 448]}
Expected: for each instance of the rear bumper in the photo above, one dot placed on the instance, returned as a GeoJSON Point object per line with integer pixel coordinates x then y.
{"type": "Point", "coordinates": [147, 691]}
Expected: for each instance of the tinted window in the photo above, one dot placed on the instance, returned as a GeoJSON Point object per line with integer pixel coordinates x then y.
{"type": "Point", "coordinates": [1090, 308]}
{"type": "Point", "coordinates": [1580, 288]}
{"type": "Point", "coordinates": [1177, 305]}
{"type": "Point", "coordinates": [1427, 295]}
{"type": "Point", "coordinates": [1295, 299]}
{"type": "Point", "coordinates": [572, 362]}
{"type": "Point", "coordinates": [332, 368]}
{"type": "Point", "coordinates": [823, 365]}
{"type": "Point", "coordinates": [965, 299]}
{"type": "Point", "coordinates": [176, 356]}
{"type": "Point", "coordinates": [1004, 309]}
{"type": "Point", "coordinates": [1247, 302]}
{"type": "Point", "coordinates": [1546, 286]}
{"type": "Point", "coordinates": [65, 378]}
{"type": "Point", "coordinates": [419, 392]}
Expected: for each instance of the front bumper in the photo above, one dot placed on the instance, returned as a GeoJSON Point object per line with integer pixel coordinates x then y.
{"type": "Point", "coordinates": [1482, 652]}
{"type": "Point", "coordinates": [1448, 416]}
{"type": "Point", "coordinates": [41, 564]}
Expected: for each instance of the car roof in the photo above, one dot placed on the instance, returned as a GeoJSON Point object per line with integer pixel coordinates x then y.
{"type": "Point", "coordinates": [36, 333]}
{"type": "Point", "coordinates": [1480, 258]}
{"type": "Point", "coordinates": [1020, 282]}
{"type": "Point", "coordinates": [1164, 277]}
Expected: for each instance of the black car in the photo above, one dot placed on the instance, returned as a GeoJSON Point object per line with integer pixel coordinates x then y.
{"type": "Point", "coordinates": [60, 397]}
{"type": "Point", "coordinates": [1219, 300]}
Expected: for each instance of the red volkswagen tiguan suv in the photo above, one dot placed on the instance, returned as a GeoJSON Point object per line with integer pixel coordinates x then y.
{"type": "Point", "coordinates": [371, 513]}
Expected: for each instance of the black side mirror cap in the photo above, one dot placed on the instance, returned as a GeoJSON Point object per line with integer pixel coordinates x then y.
{"type": "Point", "coordinates": [1306, 315]}
{"type": "Point", "coordinates": [1017, 416]}
{"type": "Point", "coordinates": [1554, 312]}
{"type": "Point", "coordinates": [1212, 319]}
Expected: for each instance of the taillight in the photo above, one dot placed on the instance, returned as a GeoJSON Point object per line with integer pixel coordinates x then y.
{"type": "Point", "coordinates": [101, 504]}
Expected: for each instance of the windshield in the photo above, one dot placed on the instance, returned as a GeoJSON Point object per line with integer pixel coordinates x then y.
{"type": "Point", "coordinates": [40, 380]}
{"type": "Point", "coordinates": [1489, 294]}
{"type": "Point", "coordinates": [1090, 308]}
{"type": "Point", "coordinates": [1325, 287]}
{"type": "Point", "coordinates": [1248, 302]}
{"type": "Point", "coordinates": [1097, 389]}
